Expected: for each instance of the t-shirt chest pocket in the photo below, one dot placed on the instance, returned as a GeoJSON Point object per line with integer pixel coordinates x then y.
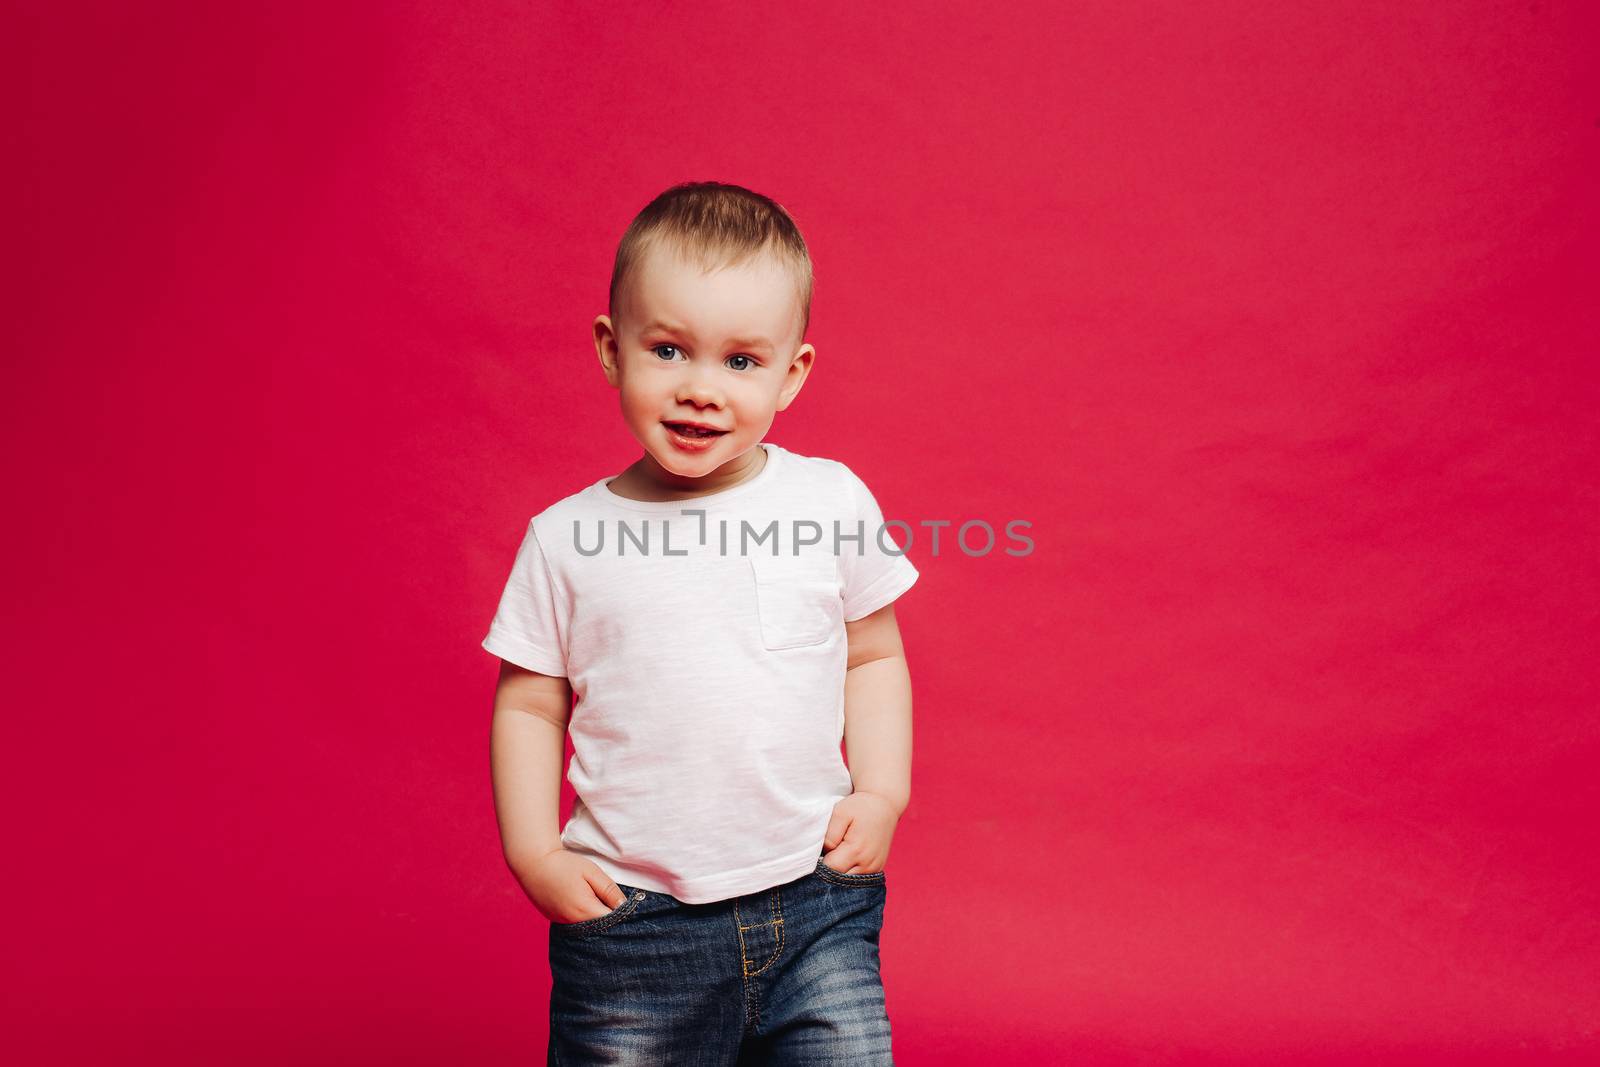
{"type": "Point", "coordinates": [797, 599]}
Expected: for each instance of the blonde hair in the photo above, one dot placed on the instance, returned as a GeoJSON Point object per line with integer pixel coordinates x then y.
{"type": "Point", "coordinates": [715, 225]}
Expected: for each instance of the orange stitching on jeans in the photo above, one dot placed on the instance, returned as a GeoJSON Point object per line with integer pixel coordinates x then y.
{"type": "Point", "coordinates": [752, 1015]}
{"type": "Point", "coordinates": [752, 1010]}
{"type": "Point", "coordinates": [775, 901]}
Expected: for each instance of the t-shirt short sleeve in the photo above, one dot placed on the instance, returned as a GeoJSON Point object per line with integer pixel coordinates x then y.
{"type": "Point", "coordinates": [526, 629]}
{"type": "Point", "coordinates": [874, 572]}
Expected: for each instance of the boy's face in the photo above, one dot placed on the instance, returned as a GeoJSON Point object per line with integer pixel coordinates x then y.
{"type": "Point", "coordinates": [721, 349]}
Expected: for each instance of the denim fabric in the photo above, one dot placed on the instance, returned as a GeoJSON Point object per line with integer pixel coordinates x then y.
{"type": "Point", "coordinates": [787, 975]}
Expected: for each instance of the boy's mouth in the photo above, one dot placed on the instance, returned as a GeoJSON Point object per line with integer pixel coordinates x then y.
{"type": "Point", "coordinates": [692, 429]}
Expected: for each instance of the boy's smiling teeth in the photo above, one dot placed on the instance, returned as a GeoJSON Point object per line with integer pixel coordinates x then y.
{"type": "Point", "coordinates": [689, 429]}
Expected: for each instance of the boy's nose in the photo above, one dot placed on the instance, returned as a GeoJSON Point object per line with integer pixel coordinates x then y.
{"type": "Point", "coordinates": [700, 393]}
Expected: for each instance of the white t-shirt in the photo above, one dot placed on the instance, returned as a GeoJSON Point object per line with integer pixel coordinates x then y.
{"type": "Point", "coordinates": [709, 672]}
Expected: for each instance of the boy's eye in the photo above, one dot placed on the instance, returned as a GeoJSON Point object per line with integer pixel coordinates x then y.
{"type": "Point", "coordinates": [749, 361]}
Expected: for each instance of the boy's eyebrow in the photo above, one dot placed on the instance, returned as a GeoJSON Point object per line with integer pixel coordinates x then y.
{"type": "Point", "coordinates": [742, 342]}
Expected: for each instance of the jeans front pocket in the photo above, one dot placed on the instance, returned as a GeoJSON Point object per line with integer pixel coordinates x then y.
{"type": "Point", "coordinates": [604, 922]}
{"type": "Point", "coordinates": [797, 600]}
{"type": "Point", "coordinates": [826, 873]}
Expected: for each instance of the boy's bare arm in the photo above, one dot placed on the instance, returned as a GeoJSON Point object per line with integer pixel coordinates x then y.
{"type": "Point", "coordinates": [527, 745]}
{"type": "Point", "coordinates": [877, 709]}
{"type": "Point", "coordinates": [527, 748]}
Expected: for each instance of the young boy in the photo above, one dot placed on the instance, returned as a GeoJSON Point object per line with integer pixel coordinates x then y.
{"type": "Point", "coordinates": [723, 612]}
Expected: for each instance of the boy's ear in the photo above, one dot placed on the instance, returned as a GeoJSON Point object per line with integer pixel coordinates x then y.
{"type": "Point", "coordinates": [799, 368]}
{"type": "Point", "coordinates": [605, 346]}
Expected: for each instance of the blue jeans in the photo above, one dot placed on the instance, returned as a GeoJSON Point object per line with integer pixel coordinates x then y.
{"type": "Point", "coordinates": [787, 975]}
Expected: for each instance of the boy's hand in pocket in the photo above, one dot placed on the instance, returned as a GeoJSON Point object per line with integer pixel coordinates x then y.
{"type": "Point", "coordinates": [857, 841]}
{"type": "Point", "coordinates": [569, 888]}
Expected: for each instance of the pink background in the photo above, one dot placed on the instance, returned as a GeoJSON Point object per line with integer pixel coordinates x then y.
{"type": "Point", "coordinates": [1276, 320]}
